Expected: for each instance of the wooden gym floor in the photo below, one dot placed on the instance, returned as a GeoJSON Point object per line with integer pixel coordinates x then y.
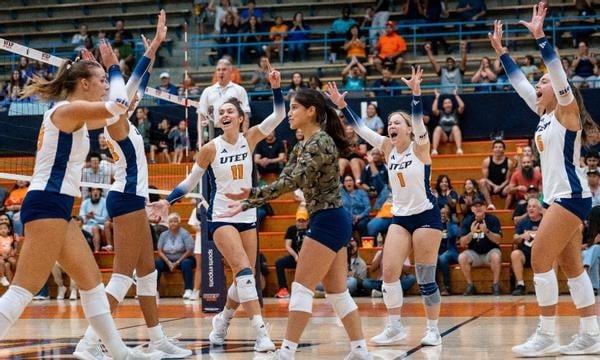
{"type": "Point", "coordinates": [481, 327]}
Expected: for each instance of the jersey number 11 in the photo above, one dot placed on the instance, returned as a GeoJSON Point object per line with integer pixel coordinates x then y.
{"type": "Point", "coordinates": [237, 171]}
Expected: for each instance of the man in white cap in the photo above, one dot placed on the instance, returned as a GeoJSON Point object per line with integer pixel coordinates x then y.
{"type": "Point", "coordinates": [165, 85]}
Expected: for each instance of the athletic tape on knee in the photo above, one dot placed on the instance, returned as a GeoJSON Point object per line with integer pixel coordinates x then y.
{"type": "Point", "coordinates": [427, 285]}
{"type": "Point", "coordinates": [233, 294]}
{"type": "Point", "coordinates": [14, 301]}
{"type": "Point", "coordinates": [94, 302]}
{"type": "Point", "coordinates": [581, 290]}
{"type": "Point", "coordinates": [118, 286]}
{"type": "Point", "coordinates": [546, 288]}
{"type": "Point", "coordinates": [146, 285]}
{"type": "Point", "coordinates": [392, 294]}
{"type": "Point", "coordinates": [246, 288]}
{"type": "Point", "coordinates": [342, 303]}
{"type": "Point", "coordinates": [301, 298]}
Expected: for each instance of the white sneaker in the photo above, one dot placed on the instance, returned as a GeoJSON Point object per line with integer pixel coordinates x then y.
{"type": "Point", "coordinates": [195, 295]}
{"type": "Point", "coordinates": [432, 337]}
{"type": "Point", "coordinates": [459, 151]}
{"type": "Point", "coordinates": [62, 290]}
{"type": "Point", "coordinates": [283, 355]}
{"type": "Point", "coordinates": [219, 330]}
{"type": "Point", "coordinates": [434, 152]}
{"type": "Point", "coordinates": [358, 354]}
{"type": "Point", "coordinates": [538, 344]}
{"type": "Point", "coordinates": [135, 354]}
{"type": "Point", "coordinates": [4, 281]}
{"type": "Point", "coordinates": [187, 293]}
{"type": "Point", "coordinates": [582, 344]}
{"type": "Point", "coordinates": [263, 341]}
{"type": "Point", "coordinates": [376, 293]}
{"type": "Point", "coordinates": [89, 351]}
{"type": "Point", "coordinates": [389, 336]}
{"type": "Point", "coordinates": [169, 348]}
{"type": "Point", "coordinates": [73, 295]}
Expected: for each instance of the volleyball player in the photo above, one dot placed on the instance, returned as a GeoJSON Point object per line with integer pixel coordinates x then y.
{"type": "Point", "coordinates": [125, 203]}
{"type": "Point", "coordinates": [63, 144]}
{"type": "Point", "coordinates": [228, 161]}
{"type": "Point", "coordinates": [313, 167]}
{"type": "Point", "coordinates": [563, 126]}
{"type": "Point", "coordinates": [416, 225]}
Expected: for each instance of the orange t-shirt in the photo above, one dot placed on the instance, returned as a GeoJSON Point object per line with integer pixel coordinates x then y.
{"type": "Point", "coordinates": [16, 196]}
{"type": "Point", "coordinates": [391, 44]}
{"type": "Point", "coordinates": [236, 77]}
{"type": "Point", "coordinates": [277, 29]}
{"type": "Point", "coordinates": [6, 245]}
{"type": "Point", "coordinates": [356, 50]}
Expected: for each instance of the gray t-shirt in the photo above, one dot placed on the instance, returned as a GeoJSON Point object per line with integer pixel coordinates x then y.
{"type": "Point", "coordinates": [450, 79]}
{"type": "Point", "coordinates": [175, 245]}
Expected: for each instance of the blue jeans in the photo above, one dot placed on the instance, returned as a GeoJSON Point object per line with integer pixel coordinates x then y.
{"type": "Point", "coordinates": [295, 49]}
{"type": "Point", "coordinates": [407, 281]}
{"type": "Point", "coordinates": [377, 226]}
{"type": "Point", "coordinates": [591, 259]}
{"type": "Point", "coordinates": [286, 262]}
{"type": "Point", "coordinates": [444, 261]}
{"type": "Point", "coordinates": [187, 270]}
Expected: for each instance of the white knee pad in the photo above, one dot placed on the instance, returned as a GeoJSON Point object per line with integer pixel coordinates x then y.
{"type": "Point", "coordinates": [118, 286]}
{"type": "Point", "coordinates": [581, 290]}
{"type": "Point", "coordinates": [392, 294]}
{"type": "Point", "coordinates": [246, 288]}
{"type": "Point", "coordinates": [146, 285]}
{"type": "Point", "coordinates": [232, 293]}
{"type": "Point", "coordinates": [546, 288]}
{"type": "Point", "coordinates": [94, 302]}
{"type": "Point", "coordinates": [13, 302]}
{"type": "Point", "coordinates": [342, 303]}
{"type": "Point", "coordinates": [301, 298]}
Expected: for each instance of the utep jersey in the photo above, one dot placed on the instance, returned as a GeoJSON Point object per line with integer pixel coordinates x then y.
{"type": "Point", "coordinates": [131, 174]}
{"type": "Point", "coordinates": [60, 157]}
{"type": "Point", "coordinates": [559, 158]}
{"type": "Point", "coordinates": [230, 171]}
{"type": "Point", "coordinates": [410, 182]}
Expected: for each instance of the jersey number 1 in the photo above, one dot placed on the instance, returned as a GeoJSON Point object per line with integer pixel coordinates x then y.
{"type": "Point", "coordinates": [401, 179]}
{"type": "Point", "coordinates": [237, 171]}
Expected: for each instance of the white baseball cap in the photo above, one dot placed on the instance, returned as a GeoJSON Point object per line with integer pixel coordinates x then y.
{"type": "Point", "coordinates": [164, 75]}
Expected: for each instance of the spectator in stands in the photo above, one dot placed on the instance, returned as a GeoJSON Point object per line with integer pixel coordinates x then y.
{"type": "Point", "coordinates": [3, 196]}
{"type": "Point", "coordinates": [89, 238]}
{"type": "Point", "coordinates": [124, 51]}
{"type": "Point", "coordinates": [269, 156]}
{"type": "Point", "coordinates": [520, 211]}
{"type": "Point", "coordinates": [378, 226]}
{"type": "Point", "coordinates": [354, 160]}
{"type": "Point", "coordinates": [251, 11]}
{"type": "Point", "coordinates": [356, 202]}
{"type": "Point", "coordinates": [296, 84]}
{"type": "Point", "coordinates": [446, 195]}
{"type": "Point", "coordinates": [175, 251]}
{"type": "Point", "coordinates": [529, 68]}
{"type": "Point", "coordinates": [57, 275]}
{"type": "Point", "coordinates": [591, 248]}
{"type": "Point", "coordinates": [496, 172]}
{"type": "Point", "coordinates": [389, 49]}
{"type": "Point", "coordinates": [354, 76]}
{"type": "Point", "coordinates": [520, 257]}
{"type": "Point", "coordinates": [525, 151]}
{"type": "Point", "coordinates": [372, 119]}
{"type": "Point", "coordinates": [414, 11]}
{"type": "Point", "coordinates": [8, 255]}
{"type": "Point", "coordinates": [584, 8]}
{"type": "Point", "coordinates": [381, 15]}
{"type": "Point", "coordinates": [236, 75]}
{"type": "Point", "coordinates": [93, 211]}
{"type": "Point", "coordinates": [355, 46]}
{"type": "Point", "coordinates": [25, 69]}
{"type": "Point", "coordinates": [484, 75]}
{"type": "Point", "coordinates": [566, 63]}
{"type": "Point", "coordinates": [43, 70]}
{"type": "Point", "coordinates": [260, 78]}
{"type": "Point", "coordinates": [593, 177]}
{"type": "Point", "coordinates": [277, 35]}
{"type": "Point", "coordinates": [502, 83]}
{"type": "Point", "coordinates": [448, 253]}
{"type": "Point", "coordinates": [215, 95]}
{"type": "Point", "coordinates": [294, 236]}
{"type": "Point", "coordinates": [520, 181]}
{"type": "Point", "coordinates": [472, 10]}
{"type": "Point", "coordinates": [190, 86]}
{"type": "Point", "coordinates": [229, 39]}
{"type": "Point", "coordinates": [13, 203]}
{"type": "Point", "coordinates": [220, 10]}
{"type": "Point", "coordinates": [470, 193]}
{"type": "Point", "coordinates": [143, 126]}
{"type": "Point", "coordinates": [166, 86]}
{"type": "Point", "coordinates": [366, 23]}
{"type": "Point", "coordinates": [181, 142]}
{"type": "Point", "coordinates": [14, 86]}
{"type": "Point", "coordinates": [385, 86]}
{"type": "Point", "coordinates": [357, 272]}
{"type": "Point", "coordinates": [160, 141]}
{"type": "Point", "coordinates": [94, 173]}
{"type": "Point", "coordinates": [435, 11]}
{"type": "Point", "coordinates": [591, 160]}
{"type": "Point", "coordinates": [482, 234]}
{"type": "Point", "coordinates": [79, 38]}
{"type": "Point", "coordinates": [315, 83]}
{"type": "Point", "coordinates": [448, 128]}
{"type": "Point", "coordinates": [450, 76]}
{"type": "Point", "coordinates": [374, 178]}
{"type": "Point", "coordinates": [126, 35]}
{"type": "Point", "coordinates": [297, 37]}
{"type": "Point", "coordinates": [253, 29]}
{"type": "Point", "coordinates": [373, 284]}
{"type": "Point", "coordinates": [339, 29]}
{"type": "Point", "coordinates": [583, 66]}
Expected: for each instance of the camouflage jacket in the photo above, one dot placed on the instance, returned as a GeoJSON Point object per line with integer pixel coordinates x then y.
{"type": "Point", "coordinates": [312, 167]}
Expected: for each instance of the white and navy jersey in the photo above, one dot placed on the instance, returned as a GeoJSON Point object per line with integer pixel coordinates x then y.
{"type": "Point", "coordinates": [230, 171]}
{"type": "Point", "coordinates": [60, 157]}
{"type": "Point", "coordinates": [131, 175]}
{"type": "Point", "coordinates": [410, 181]}
{"type": "Point", "coordinates": [559, 159]}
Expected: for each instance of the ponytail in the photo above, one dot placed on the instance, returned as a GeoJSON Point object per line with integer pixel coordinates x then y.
{"type": "Point", "coordinates": [590, 134]}
{"type": "Point", "coordinates": [333, 127]}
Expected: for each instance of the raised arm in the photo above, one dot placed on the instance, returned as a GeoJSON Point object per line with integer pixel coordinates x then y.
{"type": "Point", "coordinates": [515, 75]}
{"type": "Point", "coordinates": [434, 64]}
{"type": "Point", "coordinates": [419, 129]}
{"type": "Point", "coordinates": [435, 110]}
